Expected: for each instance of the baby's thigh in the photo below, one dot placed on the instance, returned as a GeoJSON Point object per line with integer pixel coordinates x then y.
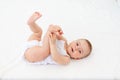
{"type": "Point", "coordinates": [36, 53]}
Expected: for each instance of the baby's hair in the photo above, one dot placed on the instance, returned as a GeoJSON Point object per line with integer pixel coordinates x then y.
{"type": "Point", "coordinates": [90, 46]}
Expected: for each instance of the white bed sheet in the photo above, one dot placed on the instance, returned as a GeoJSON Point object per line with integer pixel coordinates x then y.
{"type": "Point", "coordinates": [101, 64]}
{"type": "Point", "coordinates": [97, 20]}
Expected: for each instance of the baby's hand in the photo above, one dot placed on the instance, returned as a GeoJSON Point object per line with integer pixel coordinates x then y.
{"type": "Point", "coordinates": [55, 29]}
{"type": "Point", "coordinates": [52, 38]}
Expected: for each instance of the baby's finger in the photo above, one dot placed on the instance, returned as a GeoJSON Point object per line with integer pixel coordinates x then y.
{"type": "Point", "coordinates": [61, 32]}
{"type": "Point", "coordinates": [54, 35]}
{"type": "Point", "coordinates": [57, 33]}
{"type": "Point", "coordinates": [59, 28]}
{"type": "Point", "coordinates": [50, 35]}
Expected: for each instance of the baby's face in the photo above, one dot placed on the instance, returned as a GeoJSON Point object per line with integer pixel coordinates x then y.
{"type": "Point", "coordinates": [78, 49]}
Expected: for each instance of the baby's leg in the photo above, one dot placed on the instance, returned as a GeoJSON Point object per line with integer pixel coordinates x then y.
{"type": "Point", "coordinates": [37, 31]}
{"type": "Point", "coordinates": [36, 53]}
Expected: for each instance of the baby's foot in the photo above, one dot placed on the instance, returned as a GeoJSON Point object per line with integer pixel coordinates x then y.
{"type": "Point", "coordinates": [35, 16]}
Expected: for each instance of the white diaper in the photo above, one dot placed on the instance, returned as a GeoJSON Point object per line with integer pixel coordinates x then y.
{"type": "Point", "coordinates": [48, 60]}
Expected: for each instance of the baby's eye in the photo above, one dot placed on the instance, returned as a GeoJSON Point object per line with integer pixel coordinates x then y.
{"type": "Point", "coordinates": [72, 49]}
{"type": "Point", "coordinates": [77, 44]}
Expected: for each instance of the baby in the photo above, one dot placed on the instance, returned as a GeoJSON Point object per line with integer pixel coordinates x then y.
{"type": "Point", "coordinates": [53, 49]}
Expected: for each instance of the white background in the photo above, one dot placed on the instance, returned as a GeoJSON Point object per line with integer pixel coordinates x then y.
{"type": "Point", "coordinates": [96, 20]}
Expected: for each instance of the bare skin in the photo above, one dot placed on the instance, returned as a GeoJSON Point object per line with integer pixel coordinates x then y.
{"type": "Point", "coordinates": [39, 53]}
{"type": "Point", "coordinates": [76, 49]}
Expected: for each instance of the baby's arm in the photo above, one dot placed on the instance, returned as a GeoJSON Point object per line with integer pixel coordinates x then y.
{"type": "Point", "coordinates": [58, 31]}
{"type": "Point", "coordinates": [55, 54]}
{"type": "Point", "coordinates": [51, 29]}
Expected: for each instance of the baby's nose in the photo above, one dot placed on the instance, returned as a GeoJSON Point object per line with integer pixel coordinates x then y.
{"type": "Point", "coordinates": [78, 47]}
